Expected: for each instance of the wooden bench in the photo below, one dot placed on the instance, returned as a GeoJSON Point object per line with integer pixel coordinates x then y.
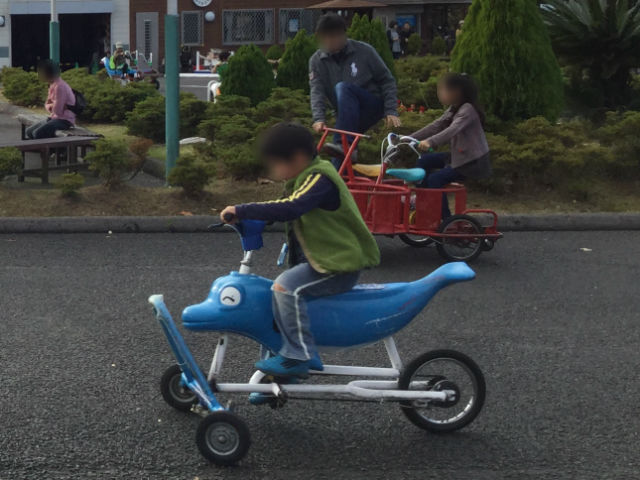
{"type": "Point", "coordinates": [45, 147]}
{"type": "Point", "coordinates": [28, 119]}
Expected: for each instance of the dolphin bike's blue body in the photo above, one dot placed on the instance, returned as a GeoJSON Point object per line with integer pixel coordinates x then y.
{"type": "Point", "coordinates": [439, 391]}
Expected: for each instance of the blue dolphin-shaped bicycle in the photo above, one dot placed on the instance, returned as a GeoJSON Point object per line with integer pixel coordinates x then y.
{"type": "Point", "coordinates": [439, 391]}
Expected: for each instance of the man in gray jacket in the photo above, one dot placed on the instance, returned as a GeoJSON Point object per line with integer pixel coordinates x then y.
{"type": "Point", "coordinates": [353, 78]}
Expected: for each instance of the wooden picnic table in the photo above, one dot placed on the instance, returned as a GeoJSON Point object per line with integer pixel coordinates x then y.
{"type": "Point", "coordinates": [47, 146]}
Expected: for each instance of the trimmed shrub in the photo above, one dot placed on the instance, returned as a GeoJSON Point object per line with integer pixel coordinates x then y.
{"type": "Point", "coordinates": [70, 184]}
{"type": "Point", "coordinates": [274, 52]}
{"type": "Point", "coordinates": [139, 149]}
{"type": "Point", "coordinates": [234, 126]}
{"type": "Point", "coordinates": [147, 119]}
{"type": "Point", "coordinates": [249, 75]}
{"type": "Point", "coordinates": [420, 69]}
{"type": "Point", "coordinates": [111, 160]}
{"type": "Point", "coordinates": [218, 114]}
{"type": "Point", "coordinates": [23, 88]}
{"type": "Point", "coordinates": [293, 71]}
{"type": "Point", "coordinates": [438, 46]}
{"type": "Point", "coordinates": [414, 44]}
{"type": "Point", "coordinates": [107, 100]}
{"type": "Point", "coordinates": [10, 161]}
{"type": "Point", "coordinates": [373, 33]}
{"type": "Point", "coordinates": [191, 174]}
{"type": "Point", "coordinates": [506, 48]}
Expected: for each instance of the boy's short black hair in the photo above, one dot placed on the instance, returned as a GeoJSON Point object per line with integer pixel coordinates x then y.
{"type": "Point", "coordinates": [224, 56]}
{"type": "Point", "coordinates": [331, 23]}
{"type": "Point", "coordinates": [284, 140]}
{"type": "Point", "coordinates": [48, 68]}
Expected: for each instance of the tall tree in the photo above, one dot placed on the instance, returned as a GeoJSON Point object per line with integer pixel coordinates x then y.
{"type": "Point", "coordinates": [249, 75]}
{"type": "Point", "coordinates": [373, 33]}
{"type": "Point", "coordinates": [293, 71]}
{"type": "Point", "coordinates": [601, 39]}
{"type": "Point", "coordinates": [507, 49]}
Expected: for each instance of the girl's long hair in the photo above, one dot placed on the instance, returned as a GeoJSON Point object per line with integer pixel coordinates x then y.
{"type": "Point", "coordinates": [464, 84]}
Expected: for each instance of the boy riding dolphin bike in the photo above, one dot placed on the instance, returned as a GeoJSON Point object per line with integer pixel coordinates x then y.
{"type": "Point", "coordinates": [316, 306]}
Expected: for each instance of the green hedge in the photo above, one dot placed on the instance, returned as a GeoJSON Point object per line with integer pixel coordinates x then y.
{"type": "Point", "coordinates": [233, 126]}
{"type": "Point", "coordinates": [147, 119]}
{"type": "Point", "coordinates": [23, 88]}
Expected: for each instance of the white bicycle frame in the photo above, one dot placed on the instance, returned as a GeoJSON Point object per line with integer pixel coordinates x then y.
{"type": "Point", "coordinates": [377, 390]}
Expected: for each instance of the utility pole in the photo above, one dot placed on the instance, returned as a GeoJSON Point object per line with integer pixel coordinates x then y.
{"type": "Point", "coordinates": [172, 85]}
{"type": "Point", "coordinates": [54, 35]}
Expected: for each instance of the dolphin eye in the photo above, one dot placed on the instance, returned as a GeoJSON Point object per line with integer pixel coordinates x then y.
{"type": "Point", "coordinates": [230, 296]}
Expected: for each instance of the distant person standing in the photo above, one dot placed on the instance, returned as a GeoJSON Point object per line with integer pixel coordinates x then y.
{"type": "Point", "coordinates": [59, 98]}
{"type": "Point", "coordinates": [459, 30]}
{"type": "Point", "coordinates": [354, 79]}
{"type": "Point", "coordinates": [394, 40]}
{"type": "Point", "coordinates": [405, 33]}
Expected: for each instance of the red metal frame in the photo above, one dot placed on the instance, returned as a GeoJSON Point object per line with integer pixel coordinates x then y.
{"type": "Point", "coordinates": [385, 204]}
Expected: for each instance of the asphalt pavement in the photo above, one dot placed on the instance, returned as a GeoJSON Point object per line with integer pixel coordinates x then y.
{"type": "Point", "coordinates": [552, 319]}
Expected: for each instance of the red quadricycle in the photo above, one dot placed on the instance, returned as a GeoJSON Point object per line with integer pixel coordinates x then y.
{"type": "Point", "coordinates": [391, 203]}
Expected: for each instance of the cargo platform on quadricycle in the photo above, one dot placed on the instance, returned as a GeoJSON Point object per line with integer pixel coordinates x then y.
{"type": "Point", "coordinates": [391, 203]}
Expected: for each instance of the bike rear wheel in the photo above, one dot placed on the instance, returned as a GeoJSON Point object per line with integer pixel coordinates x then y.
{"type": "Point", "coordinates": [465, 243]}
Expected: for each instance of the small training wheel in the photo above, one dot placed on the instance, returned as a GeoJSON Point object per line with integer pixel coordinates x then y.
{"type": "Point", "coordinates": [223, 438]}
{"type": "Point", "coordinates": [174, 392]}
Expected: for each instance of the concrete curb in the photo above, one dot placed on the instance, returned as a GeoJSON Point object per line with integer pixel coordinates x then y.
{"type": "Point", "coordinates": [194, 224]}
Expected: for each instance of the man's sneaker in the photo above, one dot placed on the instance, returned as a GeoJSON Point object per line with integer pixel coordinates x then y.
{"type": "Point", "coordinates": [333, 150]}
{"type": "Point", "coordinates": [280, 366]}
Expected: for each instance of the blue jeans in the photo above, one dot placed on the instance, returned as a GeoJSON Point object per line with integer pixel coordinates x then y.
{"type": "Point", "coordinates": [358, 111]}
{"type": "Point", "coordinates": [290, 308]}
{"type": "Point", "coordinates": [47, 128]}
{"type": "Point", "coordinates": [435, 178]}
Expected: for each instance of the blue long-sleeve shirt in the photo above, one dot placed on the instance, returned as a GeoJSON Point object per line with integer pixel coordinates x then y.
{"type": "Point", "coordinates": [317, 191]}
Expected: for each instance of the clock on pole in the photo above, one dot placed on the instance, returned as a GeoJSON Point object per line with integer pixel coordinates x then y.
{"type": "Point", "coordinates": [202, 3]}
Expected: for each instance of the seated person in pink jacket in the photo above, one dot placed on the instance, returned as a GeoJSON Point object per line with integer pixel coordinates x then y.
{"type": "Point", "coordinates": [60, 96]}
{"type": "Point", "coordinates": [462, 127]}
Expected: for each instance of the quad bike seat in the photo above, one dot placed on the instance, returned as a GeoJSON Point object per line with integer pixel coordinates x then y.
{"type": "Point", "coordinates": [409, 175]}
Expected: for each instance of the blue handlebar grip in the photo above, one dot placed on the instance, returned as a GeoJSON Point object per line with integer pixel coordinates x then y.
{"type": "Point", "coordinates": [283, 254]}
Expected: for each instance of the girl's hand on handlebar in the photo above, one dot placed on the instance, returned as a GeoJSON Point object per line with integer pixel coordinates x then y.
{"type": "Point", "coordinates": [228, 215]}
{"type": "Point", "coordinates": [424, 146]}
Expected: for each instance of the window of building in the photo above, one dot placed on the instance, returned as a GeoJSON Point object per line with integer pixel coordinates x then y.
{"type": "Point", "coordinates": [247, 26]}
{"type": "Point", "coordinates": [291, 20]}
{"type": "Point", "coordinates": [192, 27]}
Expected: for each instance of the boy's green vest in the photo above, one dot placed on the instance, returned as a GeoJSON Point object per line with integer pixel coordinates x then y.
{"type": "Point", "coordinates": [334, 241]}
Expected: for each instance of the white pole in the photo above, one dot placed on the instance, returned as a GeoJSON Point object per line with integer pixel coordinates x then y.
{"type": "Point", "coordinates": [172, 7]}
{"type": "Point", "coordinates": [54, 12]}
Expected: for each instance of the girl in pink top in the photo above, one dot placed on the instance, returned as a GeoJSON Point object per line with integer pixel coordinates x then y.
{"type": "Point", "coordinates": [59, 98]}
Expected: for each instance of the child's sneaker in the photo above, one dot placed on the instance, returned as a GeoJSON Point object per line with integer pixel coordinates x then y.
{"type": "Point", "coordinates": [280, 366]}
{"type": "Point", "coordinates": [258, 398]}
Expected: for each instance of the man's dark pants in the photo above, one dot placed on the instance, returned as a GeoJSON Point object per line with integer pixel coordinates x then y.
{"type": "Point", "coordinates": [358, 111]}
{"type": "Point", "coordinates": [47, 128]}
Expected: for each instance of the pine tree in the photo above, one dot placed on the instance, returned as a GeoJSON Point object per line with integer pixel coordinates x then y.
{"type": "Point", "coordinates": [293, 71]}
{"type": "Point", "coordinates": [249, 75]}
{"type": "Point", "coordinates": [506, 48]}
{"type": "Point", "coordinates": [373, 33]}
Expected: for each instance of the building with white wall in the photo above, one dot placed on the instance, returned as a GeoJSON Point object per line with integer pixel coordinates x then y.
{"type": "Point", "coordinates": [88, 28]}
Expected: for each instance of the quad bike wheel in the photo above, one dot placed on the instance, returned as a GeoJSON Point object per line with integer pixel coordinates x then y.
{"type": "Point", "coordinates": [464, 248]}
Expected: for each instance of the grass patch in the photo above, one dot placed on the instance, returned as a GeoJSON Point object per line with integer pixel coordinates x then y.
{"type": "Point", "coordinates": [130, 200]}
{"type": "Point", "coordinates": [134, 200]}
